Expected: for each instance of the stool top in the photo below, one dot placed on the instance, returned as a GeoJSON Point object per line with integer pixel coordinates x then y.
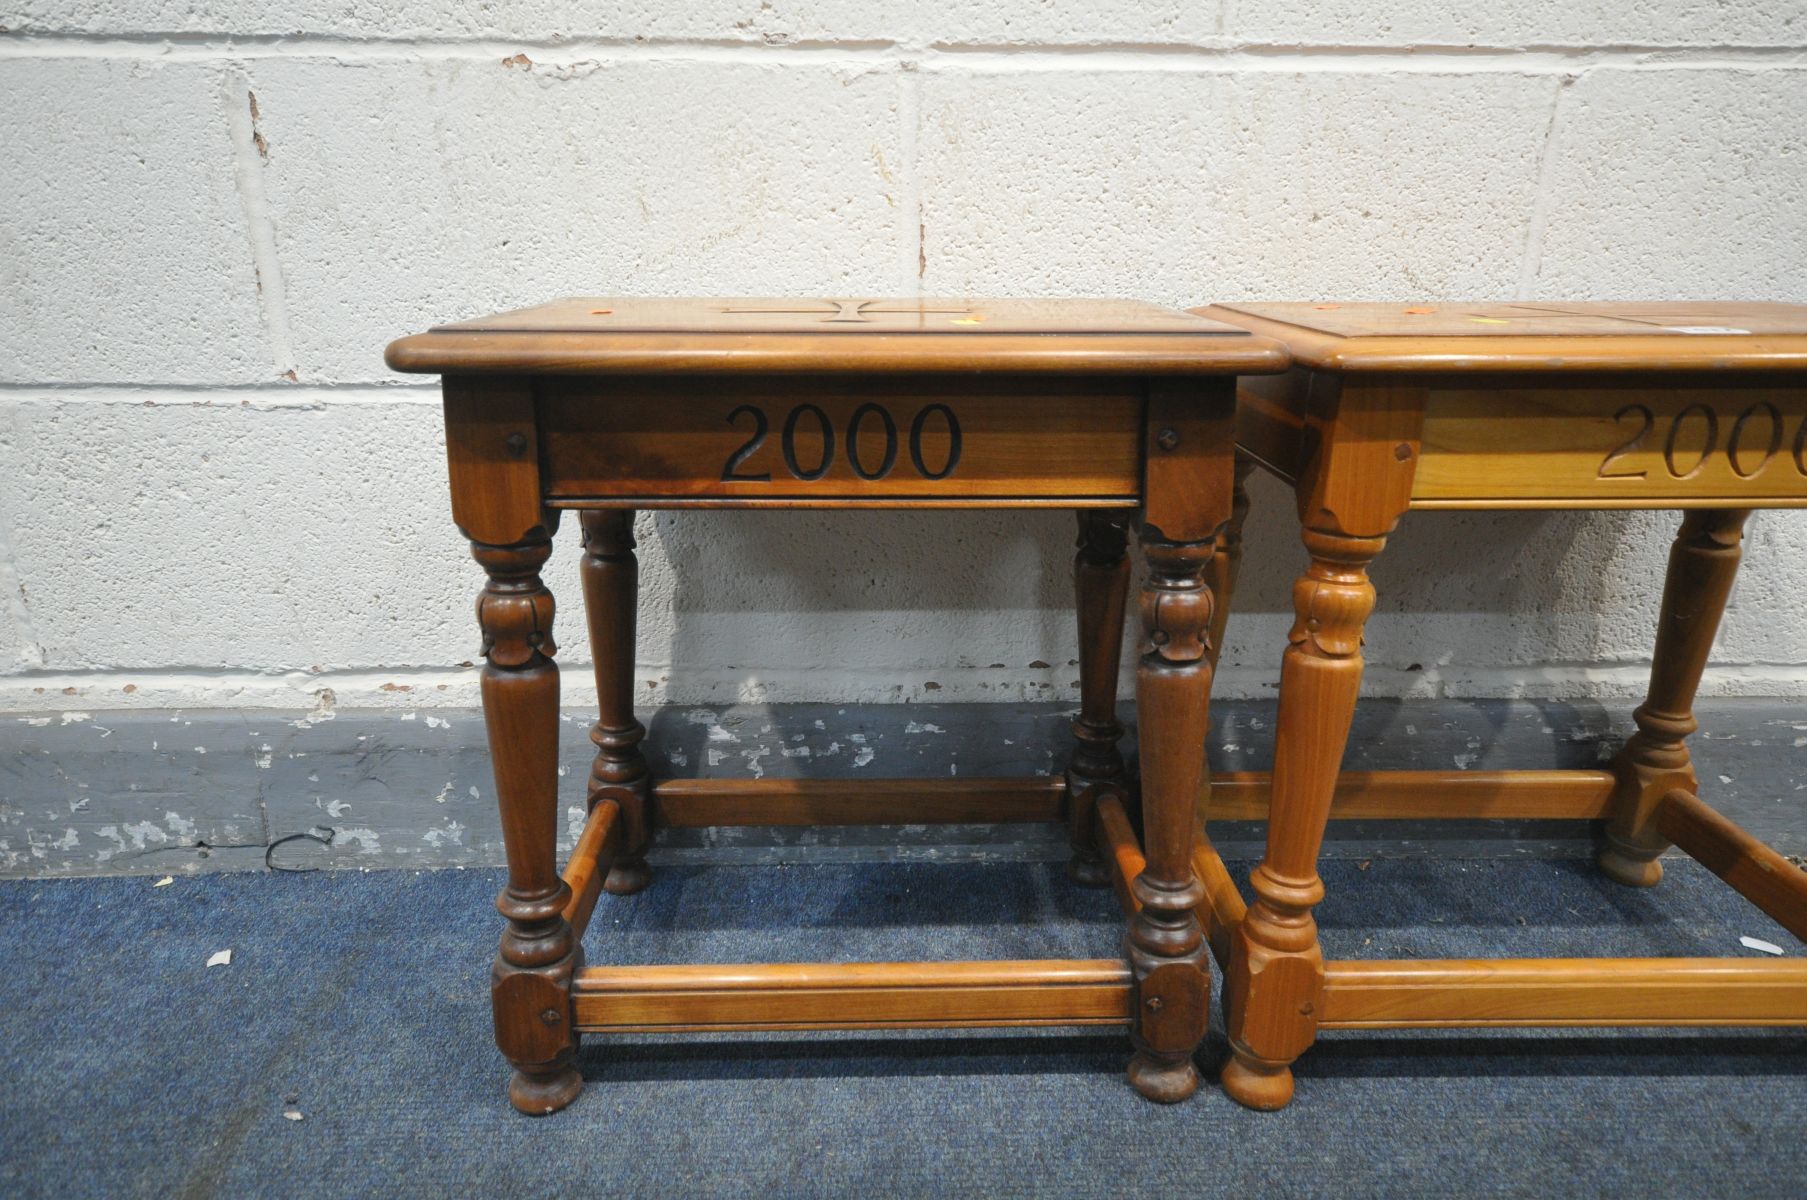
{"type": "Point", "coordinates": [619, 335]}
{"type": "Point", "coordinates": [1532, 335]}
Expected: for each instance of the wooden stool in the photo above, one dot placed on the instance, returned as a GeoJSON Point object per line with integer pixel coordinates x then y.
{"type": "Point", "coordinates": [1700, 407]}
{"type": "Point", "coordinates": [612, 405]}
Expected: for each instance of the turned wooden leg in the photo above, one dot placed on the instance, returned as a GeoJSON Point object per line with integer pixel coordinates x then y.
{"type": "Point", "coordinates": [1226, 557]}
{"type": "Point", "coordinates": [1702, 565]}
{"type": "Point", "coordinates": [1165, 944]}
{"type": "Point", "coordinates": [530, 986]}
{"type": "Point", "coordinates": [611, 576]}
{"type": "Point", "coordinates": [1101, 589]}
{"type": "Point", "coordinates": [1276, 969]}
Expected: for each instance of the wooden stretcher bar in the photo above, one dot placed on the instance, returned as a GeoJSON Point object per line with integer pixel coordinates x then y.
{"type": "Point", "coordinates": [1233, 796]}
{"type": "Point", "coordinates": [1122, 852]}
{"type": "Point", "coordinates": [1370, 795]}
{"type": "Point", "coordinates": [1758, 873]}
{"type": "Point", "coordinates": [1408, 993]}
{"type": "Point", "coordinates": [1224, 908]}
{"type": "Point", "coordinates": [689, 803]}
{"type": "Point", "coordinates": [919, 995]}
{"type": "Point", "coordinates": [589, 864]}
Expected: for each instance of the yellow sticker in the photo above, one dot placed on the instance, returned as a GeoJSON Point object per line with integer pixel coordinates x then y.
{"type": "Point", "coordinates": [972, 320]}
{"type": "Point", "coordinates": [1490, 320]}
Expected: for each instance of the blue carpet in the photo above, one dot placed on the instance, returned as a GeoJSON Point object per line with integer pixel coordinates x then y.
{"type": "Point", "coordinates": [359, 1000]}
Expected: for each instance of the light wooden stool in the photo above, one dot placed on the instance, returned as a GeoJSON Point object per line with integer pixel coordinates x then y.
{"type": "Point", "coordinates": [1698, 407]}
{"type": "Point", "coordinates": [612, 405]}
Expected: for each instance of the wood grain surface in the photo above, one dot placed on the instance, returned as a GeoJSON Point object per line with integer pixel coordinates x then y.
{"type": "Point", "coordinates": [1415, 993]}
{"type": "Point", "coordinates": [918, 995]}
{"type": "Point", "coordinates": [1629, 441]}
{"type": "Point", "coordinates": [827, 442]}
{"type": "Point", "coordinates": [1530, 336]}
{"type": "Point", "coordinates": [612, 335]}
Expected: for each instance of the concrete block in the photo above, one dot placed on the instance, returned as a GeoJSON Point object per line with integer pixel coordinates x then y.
{"type": "Point", "coordinates": [12, 643]}
{"type": "Point", "coordinates": [310, 540]}
{"type": "Point", "coordinates": [124, 252]}
{"type": "Point", "coordinates": [866, 607]}
{"type": "Point", "coordinates": [1764, 622]}
{"type": "Point", "coordinates": [207, 536]}
{"type": "Point", "coordinates": [772, 22]}
{"type": "Point", "coordinates": [1081, 182]}
{"type": "Point", "coordinates": [16, 651]}
{"type": "Point", "coordinates": [410, 193]}
{"type": "Point", "coordinates": [1379, 185]}
{"type": "Point", "coordinates": [1536, 23]}
{"type": "Point", "coordinates": [1678, 184]}
{"type": "Point", "coordinates": [1183, 187]}
{"type": "Point", "coordinates": [310, 537]}
{"type": "Point", "coordinates": [1537, 603]}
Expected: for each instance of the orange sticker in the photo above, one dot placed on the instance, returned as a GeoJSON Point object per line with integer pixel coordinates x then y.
{"type": "Point", "coordinates": [1326, 307]}
{"type": "Point", "coordinates": [1420, 311]}
{"type": "Point", "coordinates": [600, 312]}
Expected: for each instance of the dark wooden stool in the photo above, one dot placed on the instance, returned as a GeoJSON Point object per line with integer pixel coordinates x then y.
{"type": "Point", "coordinates": [1698, 407]}
{"type": "Point", "coordinates": [612, 405]}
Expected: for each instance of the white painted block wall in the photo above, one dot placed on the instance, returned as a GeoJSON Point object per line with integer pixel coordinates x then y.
{"type": "Point", "coordinates": [214, 214]}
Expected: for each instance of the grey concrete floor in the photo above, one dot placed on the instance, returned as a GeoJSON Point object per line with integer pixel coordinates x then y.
{"type": "Point", "coordinates": [158, 792]}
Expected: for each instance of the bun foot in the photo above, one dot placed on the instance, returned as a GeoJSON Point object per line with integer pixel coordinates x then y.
{"type": "Point", "coordinates": [626, 878]}
{"type": "Point", "coordinates": [539, 1093]}
{"type": "Point", "coordinates": [1263, 1087]}
{"type": "Point", "coordinates": [1165, 1079]}
{"type": "Point", "coordinates": [1088, 872]}
{"type": "Point", "coordinates": [1630, 870]}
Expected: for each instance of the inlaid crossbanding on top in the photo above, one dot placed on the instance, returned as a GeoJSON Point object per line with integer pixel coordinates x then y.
{"type": "Point", "coordinates": [1513, 319]}
{"type": "Point", "coordinates": [861, 312]}
{"type": "Point", "coordinates": [1054, 315]}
